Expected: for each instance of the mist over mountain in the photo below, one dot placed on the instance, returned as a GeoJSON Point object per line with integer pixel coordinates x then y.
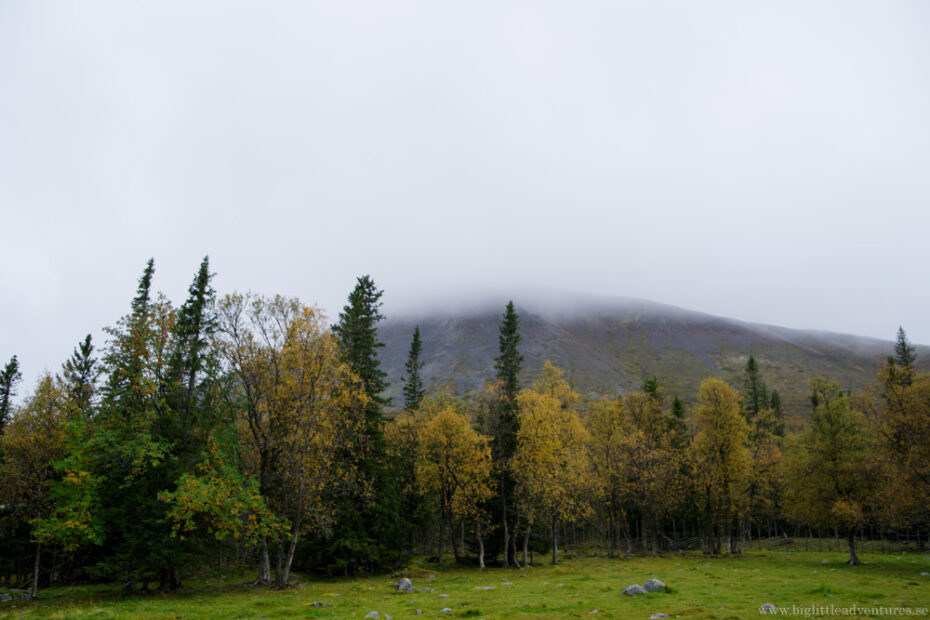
{"type": "Point", "coordinates": [609, 345]}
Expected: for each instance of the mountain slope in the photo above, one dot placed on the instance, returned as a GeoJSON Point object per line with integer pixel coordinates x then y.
{"type": "Point", "coordinates": [610, 345]}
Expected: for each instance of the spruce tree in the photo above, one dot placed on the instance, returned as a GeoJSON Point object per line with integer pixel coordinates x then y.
{"type": "Point", "coordinates": [651, 387]}
{"type": "Point", "coordinates": [79, 376]}
{"type": "Point", "coordinates": [368, 531]}
{"type": "Point", "coordinates": [509, 361]}
{"type": "Point", "coordinates": [9, 377]}
{"type": "Point", "coordinates": [678, 408]}
{"type": "Point", "coordinates": [507, 364]}
{"type": "Point", "coordinates": [413, 382]}
{"type": "Point", "coordinates": [775, 405]}
{"type": "Point", "coordinates": [755, 397]}
{"type": "Point", "coordinates": [904, 353]}
{"type": "Point", "coordinates": [357, 334]}
{"type": "Point", "coordinates": [902, 364]}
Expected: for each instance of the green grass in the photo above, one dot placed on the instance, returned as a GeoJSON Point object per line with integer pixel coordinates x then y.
{"type": "Point", "coordinates": [699, 588]}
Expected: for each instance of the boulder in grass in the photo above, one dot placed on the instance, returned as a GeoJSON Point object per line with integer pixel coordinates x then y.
{"type": "Point", "coordinates": [653, 585]}
{"type": "Point", "coordinates": [372, 614]}
{"type": "Point", "coordinates": [633, 590]}
{"type": "Point", "coordinates": [445, 610]}
{"type": "Point", "coordinates": [404, 585]}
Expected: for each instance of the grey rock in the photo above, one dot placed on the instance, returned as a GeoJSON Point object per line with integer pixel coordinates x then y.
{"type": "Point", "coordinates": [404, 585]}
{"type": "Point", "coordinates": [5, 598]}
{"type": "Point", "coordinates": [633, 590]}
{"type": "Point", "coordinates": [445, 610]}
{"type": "Point", "coordinates": [443, 596]}
{"type": "Point", "coordinates": [767, 608]}
{"type": "Point", "coordinates": [316, 604]}
{"type": "Point", "coordinates": [925, 574]}
{"type": "Point", "coordinates": [372, 614]}
{"type": "Point", "coordinates": [653, 585]}
{"type": "Point", "coordinates": [484, 587]}
{"type": "Point", "coordinates": [418, 612]}
{"type": "Point", "coordinates": [387, 617]}
{"type": "Point", "coordinates": [658, 616]}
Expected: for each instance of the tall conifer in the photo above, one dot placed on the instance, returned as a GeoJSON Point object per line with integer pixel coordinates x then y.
{"type": "Point", "coordinates": [413, 382]}
{"type": "Point", "coordinates": [8, 379]}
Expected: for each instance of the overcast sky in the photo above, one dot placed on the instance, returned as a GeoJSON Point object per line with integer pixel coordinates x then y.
{"type": "Point", "coordinates": [768, 161]}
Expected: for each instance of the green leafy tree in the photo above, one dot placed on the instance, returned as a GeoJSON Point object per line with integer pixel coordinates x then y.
{"type": "Point", "coordinates": [413, 382]}
{"type": "Point", "coordinates": [301, 406]}
{"type": "Point", "coordinates": [832, 468]}
{"type": "Point", "coordinates": [33, 442]}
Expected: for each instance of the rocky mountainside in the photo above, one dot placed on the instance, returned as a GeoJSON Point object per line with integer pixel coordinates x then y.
{"type": "Point", "coordinates": [612, 345]}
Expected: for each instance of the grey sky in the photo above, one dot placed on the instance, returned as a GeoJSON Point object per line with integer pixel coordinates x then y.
{"type": "Point", "coordinates": [765, 161]}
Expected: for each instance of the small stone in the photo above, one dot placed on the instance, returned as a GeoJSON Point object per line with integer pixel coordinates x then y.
{"type": "Point", "coordinates": [316, 604]}
{"type": "Point", "coordinates": [372, 614]}
{"type": "Point", "coordinates": [560, 585]}
{"type": "Point", "coordinates": [404, 585]}
{"type": "Point", "coordinates": [507, 584]}
{"type": "Point", "coordinates": [658, 616]}
{"type": "Point", "coordinates": [767, 608]}
{"type": "Point", "coordinates": [387, 617]}
{"type": "Point", "coordinates": [925, 574]}
{"type": "Point", "coordinates": [633, 590]}
{"type": "Point", "coordinates": [443, 596]}
{"type": "Point", "coordinates": [653, 585]}
{"type": "Point", "coordinates": [445, 610]}
{"type": "Point", "coordinates": [418, 612]}
{"type": "Point", "coordinates": [484, 587]}
{"type": "Point", "coordinates": [593, 611]}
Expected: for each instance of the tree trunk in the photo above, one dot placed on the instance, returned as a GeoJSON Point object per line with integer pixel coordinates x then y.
{"type": "Point", "coordinates": [442, 536]}
{"type": "Point", "coordinates": [526, 546]}
{"type": "Point", "coordinates": [264, 567]}
{"type": "Point", "coordinates": [506, 526]}
{"type": "Point", "coordinates": [480, 546]}
{"type": "Point", "coordinates": [453, 541]}
{"type": "Point", "coordinates": [555, 541]}
{"type": "Point", "coordinates": [284, 570]}
{"type": "Point", "coordinates": [34, 589]}
{"type": "Point", "coordinates": [851, 544]}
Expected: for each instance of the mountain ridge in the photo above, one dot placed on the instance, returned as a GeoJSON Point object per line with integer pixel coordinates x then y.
{"type": "Point", "coordinates": [610, 345]}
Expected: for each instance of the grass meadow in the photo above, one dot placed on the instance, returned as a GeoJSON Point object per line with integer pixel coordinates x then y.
{"type": "Point", "coordinates": [698, 587]}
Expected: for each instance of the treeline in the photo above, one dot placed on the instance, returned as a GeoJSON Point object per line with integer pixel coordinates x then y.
{"type": "Point", "coordinates": [245, 430]}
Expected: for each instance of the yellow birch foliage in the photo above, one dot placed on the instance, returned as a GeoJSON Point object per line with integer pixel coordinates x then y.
{"type": "Point", "coordinates": [31, 443]}
{"type": "Point", "coordinates": [454, 461]}
{"type": "Point", "coordinates": [721, 458]}
{"type": "Point", "coordinates": [550, 464]}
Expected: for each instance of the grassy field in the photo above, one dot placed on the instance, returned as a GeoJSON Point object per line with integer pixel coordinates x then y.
{"type": "Point", "coordinates": [698, 588]}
